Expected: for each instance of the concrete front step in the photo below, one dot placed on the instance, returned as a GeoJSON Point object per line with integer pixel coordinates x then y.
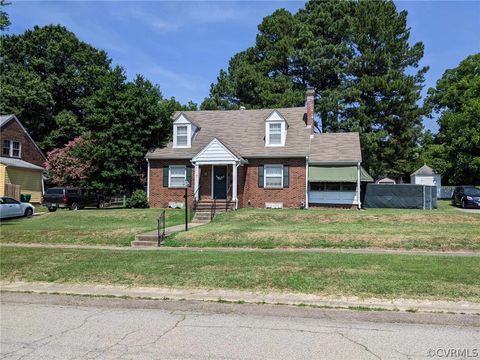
{"type": "Point", "coordinates": [150, 239]}
{"type": "Point", "coordinates": [142, 243]}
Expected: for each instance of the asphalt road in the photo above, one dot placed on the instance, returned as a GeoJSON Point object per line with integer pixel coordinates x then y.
{"type": "Point", "coordinates": [72, 327]}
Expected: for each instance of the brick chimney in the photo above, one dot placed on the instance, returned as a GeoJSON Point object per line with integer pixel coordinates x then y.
{"type": "Point", "coordinates": [310, 104]}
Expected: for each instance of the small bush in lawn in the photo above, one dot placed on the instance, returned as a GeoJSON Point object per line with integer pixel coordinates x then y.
{"type": "Point", "coordinates": [137, 200]}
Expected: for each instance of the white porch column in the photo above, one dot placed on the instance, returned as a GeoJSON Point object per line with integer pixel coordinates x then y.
{"type": "Point", "coordinates": [197, 181]}
{"type": "Point", "coordinates": [234, 183]}
{"type": "Point", "coordinates": [359, 204]}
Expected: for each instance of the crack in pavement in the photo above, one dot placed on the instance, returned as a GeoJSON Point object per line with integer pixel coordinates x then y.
{"type": "Point", "coordinates": [359, 344]}
{"type": "Point", "coordinates": [31, 345]}
{"type": "Point", "coordinates": [408, 356]}
{"type": "Point", "coordinates": [102, 351]}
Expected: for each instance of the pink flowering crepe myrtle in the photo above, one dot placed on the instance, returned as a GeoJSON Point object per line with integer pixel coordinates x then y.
{"type": "Point", "coordinates": [64, 166]}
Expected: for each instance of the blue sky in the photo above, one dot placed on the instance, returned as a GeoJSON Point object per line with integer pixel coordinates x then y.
{"type": "Point", "coordinates": [181, 45]}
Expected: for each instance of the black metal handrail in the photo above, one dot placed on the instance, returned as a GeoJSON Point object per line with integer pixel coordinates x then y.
{"type": "Point", "coordinates": [213, 208]}
{"type": "Point", "coordinates": [161, 227]}
{"type": "Point", "coordinates": [194, 203]}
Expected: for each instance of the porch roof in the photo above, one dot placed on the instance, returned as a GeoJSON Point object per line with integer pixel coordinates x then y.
{"type": "Point", "coordinates": [336, 174]}
{"type": "Point", "coordinates": [217, 152]}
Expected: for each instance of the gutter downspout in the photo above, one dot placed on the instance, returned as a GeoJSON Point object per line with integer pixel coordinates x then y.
{"type": "Point", "coordinates": [306, 182]}
{"type": "Point", "coordinates": [236, 185]}
{"type": "Point", "coordinates": [148, 180]}
{"type": "Point", "coordinates": [359, 203]}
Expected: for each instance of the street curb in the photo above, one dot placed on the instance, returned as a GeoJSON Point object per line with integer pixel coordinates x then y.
{"type": "Point", "coordinates": [409, 305]}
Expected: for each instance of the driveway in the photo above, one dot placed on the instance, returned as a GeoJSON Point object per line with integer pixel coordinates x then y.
{"type": "Point", "coordinates": [472, 211]}
{"type": "Point", "coordinates": [57, 327]}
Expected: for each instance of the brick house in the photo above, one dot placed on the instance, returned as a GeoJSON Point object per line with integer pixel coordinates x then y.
{"type": "Point", "coordinates": [255, 158]}
{"type": "Point", "coordinates": [21, 161]}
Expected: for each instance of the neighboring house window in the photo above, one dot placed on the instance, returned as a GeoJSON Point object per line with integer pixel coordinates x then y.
{"type": "Point", "coordinates": [16, 149]}
{"type": "Point", "coordinates": [11, 148]}
{"type": "Point", "coordinates": [177, 176]}
{"type": "Point", "coordinates": [6, 148]}
{"type": "Point", "coordinates": [274, 176]}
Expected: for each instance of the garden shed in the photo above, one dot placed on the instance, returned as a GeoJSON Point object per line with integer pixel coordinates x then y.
{"type": "Point", "coordinates": [427, 176]}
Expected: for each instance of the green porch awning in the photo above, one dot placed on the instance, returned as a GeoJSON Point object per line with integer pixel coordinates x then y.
{"type": "Point", "coordinates": [317, 173]}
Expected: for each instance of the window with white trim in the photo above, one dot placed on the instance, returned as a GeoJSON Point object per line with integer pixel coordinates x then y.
{"type": "Point", "coordinates": [11, 148]}
{"type": "Point", "coordinates": [177, 176]}
{"type": "Point", "coordinates": [273, 176]}
{"type": "Point", "coordinates": [275, 133]}
{"type": "Point", "coordinates": [15, 149]}
{"type": "Point", "coordinates": [182, 135]}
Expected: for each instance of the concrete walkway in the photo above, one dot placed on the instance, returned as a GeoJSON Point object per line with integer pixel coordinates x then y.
{"type": "Point", "coordinates": [225, 249]}
{"type": "Point", "coordinates": [274, 298]}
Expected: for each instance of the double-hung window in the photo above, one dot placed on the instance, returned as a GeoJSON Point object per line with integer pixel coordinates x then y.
{"type": "Point", "coordinates": [273, 176]}
{"type": "Point", "coordinates": [177, 176]}
{"type": "Point", "coordinates": [182, 135]}
{"type": "Point", "coordinates": [11, 148]}
{"type": "Point", "coordinates": [6, 148]}
{"type": "Point", "coordinates": [16, 149]}
{"type": "Point", "coordinates": [275, 133]}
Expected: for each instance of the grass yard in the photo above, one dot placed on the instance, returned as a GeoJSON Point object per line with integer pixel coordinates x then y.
{"type": "Point", "coordinates": [93, 226]}
{"type": "Point", "coordinates": [446, 228]}
{"type": "Point", "coordinates": [364, 275]}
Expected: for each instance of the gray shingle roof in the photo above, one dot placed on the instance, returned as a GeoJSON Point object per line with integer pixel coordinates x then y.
{"type": "Point", "coordinates": [19, 163]}
{"type": "Point", "coordinates": [5, 118]}
{"type": "Point", "coordinates": [425, 170]}
{"type": "Point", "coordinates": [243, 132]}
{"type": "Point", "coordinates": [335, 147]}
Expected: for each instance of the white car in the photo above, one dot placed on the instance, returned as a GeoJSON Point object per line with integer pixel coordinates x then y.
{"type": "Point", "coordinates": [12, 208]}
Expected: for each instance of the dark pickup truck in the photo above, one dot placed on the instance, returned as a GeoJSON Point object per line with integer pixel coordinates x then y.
{"type": "Point", "coordinates": [72, 198]}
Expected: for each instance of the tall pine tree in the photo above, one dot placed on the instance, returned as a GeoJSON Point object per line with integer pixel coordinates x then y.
{"type": "Point", "coordinates": [357, 56]}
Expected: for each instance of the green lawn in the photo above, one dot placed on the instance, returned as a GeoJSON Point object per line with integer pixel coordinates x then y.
{"type": "Point", "coordinates": [93, 226]}
{"type": "Point", "coordinates": [446, 228]}
{"type": "Point", "coordinates": [364, 275]}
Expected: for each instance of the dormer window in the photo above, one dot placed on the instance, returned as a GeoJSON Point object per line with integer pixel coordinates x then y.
{"type": "Point", "coordinates": [182, 135]}
{"type": "Point", "coordinates": [275, 133]}
{"type": "Point", "coordinates": [183, 130]}
{"type": "Point", "coordinates": [275, 130]}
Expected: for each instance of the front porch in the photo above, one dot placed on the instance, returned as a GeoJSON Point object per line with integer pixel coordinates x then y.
{"type": "Point", "coordinates": [216, 182]}
{"type": "Point", "coordinates": [216, 175]}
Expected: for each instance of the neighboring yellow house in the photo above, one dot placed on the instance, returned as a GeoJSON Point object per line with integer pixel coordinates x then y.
{"type": "Point", "coordinates": [20, 162]}
{"type": "Point", "coordinates": [21, 173]}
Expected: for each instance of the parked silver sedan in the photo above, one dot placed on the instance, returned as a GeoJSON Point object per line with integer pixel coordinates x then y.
{"type": "Point", "coordinates": [12, 208]}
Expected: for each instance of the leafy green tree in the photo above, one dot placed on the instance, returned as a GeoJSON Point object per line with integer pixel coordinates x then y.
{"type": "Point", "coordinates": [455, 151]}
{"type": "Point", "coordinates": [4, 18]}
{"type": "Point", "coordinates": [123, 119]}
{"type": "Point", "coordinates": [266, 75]}
{"type": "Point", "coordinates": [357, 56]}
{"type": "Point", "coordinates": [47, 74]}
{"type": "Point", "coordinates": [62, 88]}
{"type": "Point", "coordinates": [384, 88]}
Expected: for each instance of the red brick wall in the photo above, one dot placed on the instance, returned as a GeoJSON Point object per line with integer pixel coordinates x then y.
{"type": "Point", "coordinates": [160, 196]}
{"type": "Point", "coordinates": [292, 196]}
{"type": "Point", "coordinates": [248, 188]}
{"type": "Point", "coordinates": [29, 152]}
